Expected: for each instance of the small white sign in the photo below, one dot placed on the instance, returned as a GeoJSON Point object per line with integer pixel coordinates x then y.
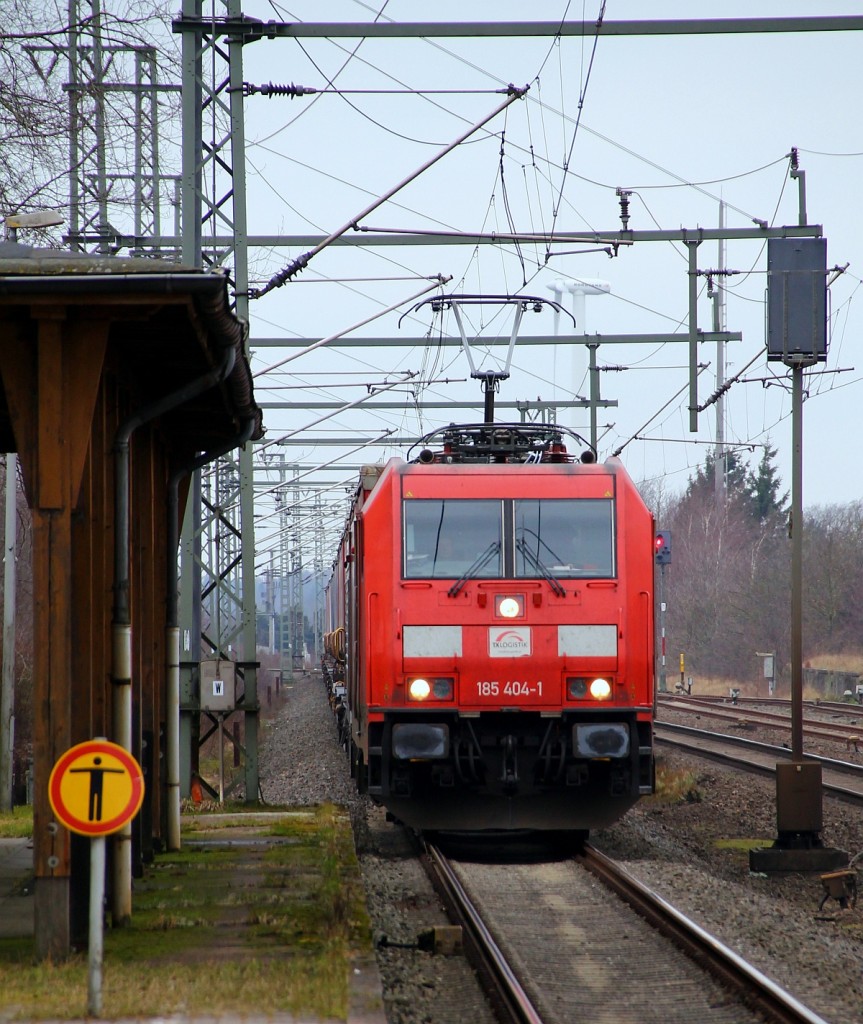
{"type": "Point", "coordinates": [510, 642]}
{"type": "Point", "coordinates": [218, 687]}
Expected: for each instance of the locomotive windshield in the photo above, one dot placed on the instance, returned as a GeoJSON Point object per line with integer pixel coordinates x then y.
{"type": "Point", "coordinates": [444, 537]}
{"type": "Point", "coordinates": [563, 537]}
{"type": "Point", "coordinates": [490, 539]}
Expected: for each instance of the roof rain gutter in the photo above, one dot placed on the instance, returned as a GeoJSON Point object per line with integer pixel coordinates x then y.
{"type": "Point", "coordinates": [121, 629]}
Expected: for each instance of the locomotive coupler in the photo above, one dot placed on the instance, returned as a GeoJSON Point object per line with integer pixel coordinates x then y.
{"type": "Point", "coordinates": [509, 772]}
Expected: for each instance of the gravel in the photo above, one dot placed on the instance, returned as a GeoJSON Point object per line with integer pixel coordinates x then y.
{"type": "Point", "coordinates": [694, 853]}
{"type": "Point", "coordinates": [301, 765]}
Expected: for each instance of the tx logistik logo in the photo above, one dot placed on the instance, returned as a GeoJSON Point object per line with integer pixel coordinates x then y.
{"type": "Point", "coordinates": [509, 643]}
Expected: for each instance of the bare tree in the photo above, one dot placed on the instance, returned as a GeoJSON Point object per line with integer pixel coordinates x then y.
{"type": "Point", "coordinates": [833, 575]}
{"type": "Point", "coordinates": [84, 98]}
{"type": "Point", "coordinates": [727, 588]}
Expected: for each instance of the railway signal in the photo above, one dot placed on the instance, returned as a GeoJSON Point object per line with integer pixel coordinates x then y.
{"type": "Point", "coordinates": [662, 547]}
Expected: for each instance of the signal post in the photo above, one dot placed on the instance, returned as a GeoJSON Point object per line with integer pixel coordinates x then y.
{"type": "Point", "coordinates": [797, 337]}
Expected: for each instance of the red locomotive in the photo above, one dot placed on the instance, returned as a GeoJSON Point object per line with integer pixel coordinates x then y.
{"type": "Point", "coordinates": [492, 634]}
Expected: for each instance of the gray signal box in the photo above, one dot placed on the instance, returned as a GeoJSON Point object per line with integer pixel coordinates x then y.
{"type": "Point", "coordinates": [218, 685]}
{"type": "Point", "coordinates": [797, 300]}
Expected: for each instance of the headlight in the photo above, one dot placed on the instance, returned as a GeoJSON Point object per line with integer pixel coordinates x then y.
{"type": "Point", "coordinates": [509, 606]}
{"type": "Point", "coordinates": [420, 689]}
{"type": "Point", "coordinates": [600, 689]}
{"type": "Point", "coordinates": [580, 687]}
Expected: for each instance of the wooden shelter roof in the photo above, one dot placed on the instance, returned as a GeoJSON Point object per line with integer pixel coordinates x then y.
{"type": "Point", "coordinates": [169, 324]}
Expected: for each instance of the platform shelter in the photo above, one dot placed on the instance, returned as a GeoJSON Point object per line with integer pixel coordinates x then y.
{"type": "Point", "coordinates": [117, 375]}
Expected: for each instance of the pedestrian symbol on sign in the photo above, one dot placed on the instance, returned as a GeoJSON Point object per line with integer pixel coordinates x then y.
{"type": "Point", "coordinates": [96, 788]}
{"type": "Point", "coordinates": [97, 782]}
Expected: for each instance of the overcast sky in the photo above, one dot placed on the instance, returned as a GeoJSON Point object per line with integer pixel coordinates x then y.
{"type": "Point", "coordinates": [684, 122]}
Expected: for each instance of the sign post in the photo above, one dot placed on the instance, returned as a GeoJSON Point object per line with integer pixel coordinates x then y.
{"type": "Point", "coordinates": [95, 789]}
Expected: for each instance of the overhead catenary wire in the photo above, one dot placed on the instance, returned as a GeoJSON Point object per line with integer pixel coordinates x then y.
{"type": "Point", "coordinates": [682, 184]}
{"type": "Point", "coordinates": [340, 334]}
{"type": "Point", "coordinates": [581, 98]}
{"type": "Point", "coordinates": [335, 412]}
{"type": "Point", "coordinates": [679, 182]}
{"type": "Point", "coordinates": [293, 268]}
{"type": "Point", "coordinates": [658, 412]}
{"type": "Point", "coordinates": [292, 91]}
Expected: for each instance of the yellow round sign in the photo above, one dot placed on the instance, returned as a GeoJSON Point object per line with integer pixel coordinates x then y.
{"type": "Point", "coordinates": [96, 788]}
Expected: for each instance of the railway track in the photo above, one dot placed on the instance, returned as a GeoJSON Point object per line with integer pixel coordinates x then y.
{"type": "Point", "coordinates": [840, 779]}
{"type": "Point", "coordinates": [566, 939]}
{"type": "Point", "coordinates": [843, 707]}
{"type": "Point", "coordinates": [849, 731]}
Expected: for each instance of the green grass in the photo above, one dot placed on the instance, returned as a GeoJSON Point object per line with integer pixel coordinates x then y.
{"type": "Point", "coordinates": [265, 927]}
{"type": "Point", "coordinates": [674, 787]}
{"type": "Point", "coordinates": [17, 823]}
{"type": "Point", "coordinates": [741, 844]}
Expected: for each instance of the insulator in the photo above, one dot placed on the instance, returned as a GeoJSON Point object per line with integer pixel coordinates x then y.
{"type": "Point", "coordinates": [269, 89]}
{"type": "Point", "coordinates": [624, 194]}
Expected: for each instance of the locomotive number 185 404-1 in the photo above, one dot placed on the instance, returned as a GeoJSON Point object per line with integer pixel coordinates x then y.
{"type": "Point", "coordinates": [509, 688]}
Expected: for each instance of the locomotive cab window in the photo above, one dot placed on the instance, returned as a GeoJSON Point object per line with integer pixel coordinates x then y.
{"type": "Point", "coordinates": [567, 538]}
{"type": "Point", "coordinates": [446, 538]}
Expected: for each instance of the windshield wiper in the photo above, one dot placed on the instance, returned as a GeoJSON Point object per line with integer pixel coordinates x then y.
{"type": "Point", "coordinates": [540, 567]}
{"type": "Point", "coordinates": [479, 563]}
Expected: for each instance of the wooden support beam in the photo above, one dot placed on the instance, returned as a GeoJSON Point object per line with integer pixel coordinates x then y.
{"type": "Point", "coordinates": [55, 380]}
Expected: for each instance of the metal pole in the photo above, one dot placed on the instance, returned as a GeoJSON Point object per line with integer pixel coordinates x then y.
{"type": "Point", "coordinates": [7, 684]}
{"type": "Point", "coordinates": [592, 346]}
{"type": "Point", "coordinates": [693, 335]}
{"type": "Point", "coordinates": [190, 187]}
{"type": "Point", "coordinates": [97, 897]}
{"type": "Point", "coordinates": [662, 676]}
{"type": "Point", "coordinates": [797, 563]}
{"type": "Point", "coordinates": [718, 321]}
{"type": "Point", "coordinates": [220, 718]}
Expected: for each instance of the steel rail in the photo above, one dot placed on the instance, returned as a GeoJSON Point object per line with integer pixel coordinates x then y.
{"type": "Point", "coordinates": [665, 733]}
{"type": "Point", "coordinates": [508, 998]}
{"type": "Point", "coordinates": [715, 700]}
{"type": "Point", "coordinates": [848, 767]}
{"type": "Point", "coordinates": [767, 719]}
{"type": "Point", "coordinates": [754, 989]}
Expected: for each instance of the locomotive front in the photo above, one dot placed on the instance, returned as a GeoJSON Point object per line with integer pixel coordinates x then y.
{"type": "Point", "coordinates": [500, 648]}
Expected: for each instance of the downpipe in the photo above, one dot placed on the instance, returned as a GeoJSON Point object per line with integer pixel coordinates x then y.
{"type": "Point", "coordinates": [121, 621]}
{"type": "Point", "coordinates": [172, 628]}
